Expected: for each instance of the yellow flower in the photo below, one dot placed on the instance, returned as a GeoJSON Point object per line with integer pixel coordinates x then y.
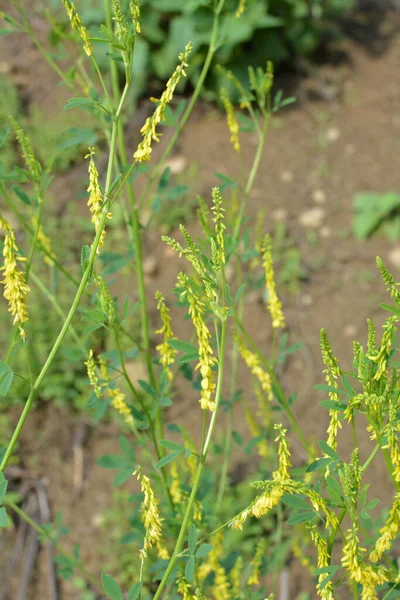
{"type": "Point", "coordinates": [134, 7]}
{"type": "Point", "coordinates": [220, 227]}
{"type": "Point", "coordinates": [149, 129]}
{"type": "Point", "coordinates": [254, 578]}
{"type": "Point", "coordinates": [332, 372]}
{"type": "Point", "coordinates": [106, 300]}
{"type": "Point", "coordinates": [45, 243]}
{"type": "Point", "coordinates": [167, 353]}
{"type": "Point", "coordinates": [253, 362]}
{"type": "Point", "coordinates": [184, 589]}
{"type": "Point", "coordinates": [33, 165]}
{"type": "Point", "coordinates": [206, 358]}
{"type": "Point", "coordinates": [95, 202]}
{"type": "Point", "coordinates": [389, 531]}
{"type": "Point", "coordinates": [386, 345]}
{"type": "Point", "coordinates": [15, 286]}
{"type": "Point", "coordinates": [388, 279]}
{"type": "Point", "coordinates": [274, 304]}
{"type": "Point", "coordinates": [323, 561]}
{"type": "Point", "coordinates": [235, 577]}
{"type": "Point", "coordinates": [92, 374]}
{"type": "Point", "coordinates": [175, 487]}
{"type": "Point", "coordinates": [77, 24]}
{"type": "Point", "coordinates": [233, 125]}
{"type": "Point", "coordinates": [119, 403]}
{"type": "Point", "coordinates": [150, 518]}
{"type": "Point", "coordinates": [241, 8]}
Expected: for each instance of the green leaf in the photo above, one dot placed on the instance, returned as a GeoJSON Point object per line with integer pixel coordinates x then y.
{"type": "Point", "coordinates": [172, 445]}
{"type": "Point", "coordinates": [347, 386]}
{"type": "Point", "coordinates": [240, 293]}
{"type": "Point", "coordinates": [192, 538]}
{"type": "Point", "coordinates": [182, 346]}
{"type": "Point", "coordinates": [146, 387]}
{"type": "Point", "coordinates": [111, 587]}
{"type": "Point", "coordinates": [76, 102]}
{"type": "Point", "coordinates": [204, 550]}
{"type": "Point", "coordinates": [371, 210]}
{"type": "Point", "coordinates": [320, 463]}
{"type": "Point", "coordinates": [110, 461]}
{"type": "Point", "coordinates": [301, 517]}
{"type": "Point", "coordinates": [167, 459]}
{"type": "Point", "coordinates": [298, 501]}
{"type": "Point", "coordinates": [3, 517]}
{"type": "Point", "coordinates": [190, 568]}
{"type": "Point", "coordinates": [85, 253]}
{"type": "Point", "coordinates": [6, 378]}
{"type": "Point", "coordinates": [328, 388]}
{"type": "Point", "coordinates": [135, 590]}
{"type": "Point", "coordinates": [3, 487]}
{"type": "Point", "coordinates": [164, 180]}
{"type": "Point", "coordinates": [126, 448]}
{"type": "Point", "coordinates": [227, 182]}
{"type": "Point", "coordinates": [122, 477]}
{"type": "Point", "coordinates": [326, 449]}
{"type": "Point", "coordinates": [332, 405]}
{"type": "Point", "coordinates": [22, 195]}
{"type": "Point", "coordinates": [391, 309]}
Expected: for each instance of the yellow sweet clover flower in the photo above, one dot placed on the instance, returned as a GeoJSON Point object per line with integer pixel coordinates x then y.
{"type": "Point", "coordinates": [332, 372]}
{"type": "Point", "coordinates": [241, 8]}
{"type": "Point", "coordinates": [33, 165]}
{"type": "Point", "coordinates": [150, 518]}
{"type": "Point", "coordinates": [253, 362]}
{"type": "Point", "coordinates": [91, 368]}
{"type": "Point", "coordinates": [274, 304]}
{"type": "Point", "coordinates": [175, 487]}
{"type": "Point", "coordinates": [298, 553]}
{"type": "Point", "coordinates": [389, 280]}
{"type": "Point", "coordinates": [95, 202]}
{"type": "Point", "coordinates": [367, 575]}
{"type": "Point", "coordinates": [77, 24]}
{"type": "Point", "coordinates": [235, 577]}
{"type": "Point", "coordinates": [134, 7]}
{"type": "Point", "coordinates": [323, 560]}
{"type": "Point", "coordinates": [233, 125]}
{"type": "Point", "coordinates": [206, 358]}
{"type": "Point", "coordinates": [371, 345]}
{"type": "Point", "coordinates": [203, 213]}
{"type": "Point", "coordinates": [106, 300]}
{"type": "Point", "coordinates": [244, 95]}
{"type": "Point", "coordinates": [191, 253]}
{"type": "Point", "coordinates": [15, 287]}
{"type": "Point", "coordinates": [118, 400]}
{"type": "Point", "coordinates": [149, 129]}
{"type": "Point", "coordinates": [389, 531]}
{"type": "Point", "coordinates": [45, 243]}
{"type": "Point", "coordinates": [167, 353]}
{"type": "Point", "coordinates": [254, 578]}
{"type": "Point", "coordinates": [383, 354]}
{"type": "Point", "coordinates": [283, 453]}
{"type": "Point", "coordinates": [121, 29]}
{"type": "Point", "coordinates": [185, 589]}
{"type": "Point", "coordinates": [220, 226]}
{"type": "Point", "coordinates": [221, 588]}
{"type": "Point", "coordinates": [255, 431]}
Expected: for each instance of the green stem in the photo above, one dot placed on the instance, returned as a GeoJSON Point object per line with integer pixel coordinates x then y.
{"type": "Point", "coordinates": [78, 295]}
{"type": "Point", "coordinates": [188, 511]}
{"type": "Point", "coordinates": [45, 534]}
{"type": "Point", "coordinates": [332, 536]}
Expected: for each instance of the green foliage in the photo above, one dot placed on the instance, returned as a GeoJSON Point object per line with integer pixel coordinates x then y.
{"type": "Point", "coordinates": [376, 213]}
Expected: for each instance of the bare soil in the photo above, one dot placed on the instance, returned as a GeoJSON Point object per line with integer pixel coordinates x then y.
{"type": "Point", "coordinates": [319, 155]}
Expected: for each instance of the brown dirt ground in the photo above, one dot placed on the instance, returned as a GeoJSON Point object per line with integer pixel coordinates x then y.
{"type": "Point", "coordinates": [340, 147]}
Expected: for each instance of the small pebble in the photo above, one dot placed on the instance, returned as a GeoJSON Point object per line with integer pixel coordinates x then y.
{"type": "Point", "coordinates": [319, 196]}
{"type": "Point", "coordinates": [325, 232]}
{"type": "Point", "coordinates": [312, 217]}
{"type": "Point", "coordinates": [333, 134]}
{"type": "Point", "coordinates": [177, 164]}
{"type": "Point", "coordinates": [149, 266]}
{"type": "Point", "coordinates": [279, 214]}
{"type": "Point", "coordinates": [286, 176]}
{"type": "Point", "coordinates": [350, 330]}
{"type": "Point", "coordinates": [394, 257]}
{"type": "Point", "coordinates": [306, 300]}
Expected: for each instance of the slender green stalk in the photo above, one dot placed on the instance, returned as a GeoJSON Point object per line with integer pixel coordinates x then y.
{"type": "Point", "coordinates": [78, 295]}
{"type": "Point", "coordinates": [45, 534]}
{"type": "Point", "coordinates": [186, 518]}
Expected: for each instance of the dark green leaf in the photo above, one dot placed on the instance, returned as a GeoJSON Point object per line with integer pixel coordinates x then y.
{"type": "Point", "coordinates": [204, 550]}
{"type": "Point", "coordinates": [122, 477]}
{"type": "Point", "coordinates": [164, 180]}
{"type": "Point", "coordinates": [348, 387]}
{"type": "Point", "coordinates": [192, 538]}
{"type": "Point", "coordinates": [111, 587]}
{"type": "Point", "coordinates": [320, 463]}
{"type": "Point", "coordinates": [146, 387]}
{"type": "Point", "coordinates": [393, 309]}
{"type": "Point", "coordinates": [6, 378]}
{"type": "Point", "coordinates": [167, 459]}
{"type": "Point", "coordinates": [182, 346]}
{"type": "Point", "coordinates": [135, 590]}
{"type": "Point", "coordinates": [297, 501]}
{"type": "Point", "coordinates": [327, 388]}
{"type": "Point", "coordinates": [85, 253]}
{"type": "Point", "coordinates": [3, 487]}
{"type": "Point", "coordinates": [22, 195]}
{"type": "Point", "coordinates": [126, 448]}
{"type": "Point", "coordinates": [333, 405]}
{"type": "Point", "coordinates": [326, 449]}
{"type": "Point", "coordinates": [3, 517]}
{"type": "Point", "coordinates": [75, 102]}
{"type": "Point", "coordinates": [190, 568]}
{"type": "Point", "coordinates": [172, 445]}
{"type": "Point", "coordinates": [111, 461]}
{"type": "Point", "coordinates": [301, 517]}
{"type": "Point", "coordinates": [240, 293]}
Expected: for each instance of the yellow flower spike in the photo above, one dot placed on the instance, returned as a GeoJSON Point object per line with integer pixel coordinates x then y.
{"type": "Point", "coordinates": [244, 102]}
{"type": "Point", "coordinates": [241, 8]}
{"type": "Point", "coordinates": [252, 361]}
{"type": "Point", "coordinates": [106, 300]}
{"type": "Point", "coordinates": [389, 531]}
{"type": "Point", "coordinates": [91, 368]}
{"type": "Point", "coordinates": [76, 23]}
{"type": "Point", "coordinates": [185, 589]}
{"type": "Point", "coordinates": [233, 125]}
{"type": "Point", "coordinates": [149, 129]}
{"type": "Point", "coordinates": [254, 578]}
{"type": "Point", "coordinates": [218, 219]}
{"type": "Point", "coordinates": [386, 344]}
{"type": "Point", "coordinates": [118, 400]}
{"type": "Point", "coordinates": [206, 358]}
{"type": "Point", "coordinates": [255, 431]}
{"type": "Point", "coordinates": [15, 287]}
{"type": "Point", "coordinates": [274, 304]}
{"type": "Point", "coordinates": [45, 242]}
{"type": "Point", "coordinates": [95, 202]}
{"type": "Point", "coordinates": [326, 593]}
{"type": "Point", "coordinates": [235, 577]}
{"type": "Point", "coordinates": [332, 372]}
{"type": "Point", "coordinates": [33, 165]}
{"type": "Point", "coordinates": [121, 29]}
{"type": "Point", "coordinates": [167, 353]}
{"type": "Point", "coordinates": [388, 279]}
{"type": "Point", "coordinates": [284, 454]}
{"type": "Point", "coordinates": [175, 487]}
{"type": "Point", "coordinates": [150, 518]}
{"type": "Point", "coordinates": [134, 7]}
